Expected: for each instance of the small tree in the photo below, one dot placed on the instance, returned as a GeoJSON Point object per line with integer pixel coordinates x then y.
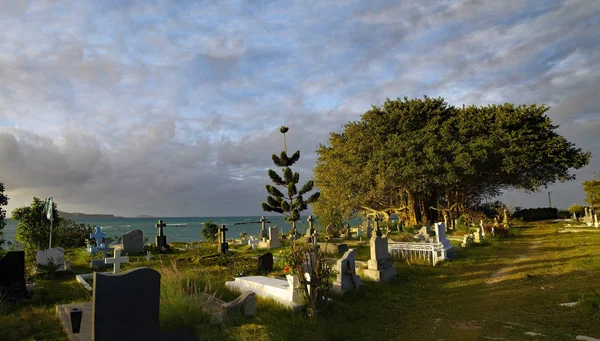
{"type": "Point", "coordinates": [33, 230]}
{"type": "Point", "coordinates": [592, 191]}
{"type": "Point", "coordinates": [577, 209]}
{"type": "Point", "coordinates": [291, 203]}
{"type": "Point", "coordinates": [210, 230]}
{"type": "Point", "coordinates": [3, 202]}
{"type": "Point", "coordinates": [72, 234]}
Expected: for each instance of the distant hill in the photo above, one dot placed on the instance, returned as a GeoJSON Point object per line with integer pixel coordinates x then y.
{"type": "Point", "coordinates": [144, 216]}
{"type": "Point", "coordinates": [77, 215]}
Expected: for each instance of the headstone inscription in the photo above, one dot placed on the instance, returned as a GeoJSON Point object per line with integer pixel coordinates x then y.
{"type": "Point", "coordinates": [223, 245]}
{"type": "Point", "coordinates": [346, 273]}
{"type": "Point", "coordinates": [12, 276]}
{"type": "Point", "coordinates": [265, 262]}
{"type": "Point", "coordinates": [133, 242]}
{"type": "Point", "coordinates": [380, 266]}
{"type": "Point", "coordinates": [161, 239]}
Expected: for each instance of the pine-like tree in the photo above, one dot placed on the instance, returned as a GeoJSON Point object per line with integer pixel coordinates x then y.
{"type": "Point", "coordinates": [291, 203]}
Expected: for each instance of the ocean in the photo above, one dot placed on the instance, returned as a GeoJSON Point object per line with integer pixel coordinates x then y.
{"type": "Point", "coordinates": [179, 229]}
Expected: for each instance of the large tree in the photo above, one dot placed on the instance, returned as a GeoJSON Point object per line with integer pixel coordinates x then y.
{"type": "Point", "coordinates": [592, 191]}
{"type": "Point", "coordinates": [33, 230]}
{"type": "Point", "coordinates": [3, 202]}
{"type": "Point", "coordinates": [424, 159]}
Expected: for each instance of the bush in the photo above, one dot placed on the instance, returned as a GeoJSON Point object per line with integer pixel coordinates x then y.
{"type": "Point", "coordinates": [564, 214]}
{"type": "Point", "coordinates": [71, 234]}
{"type": "Point", "coordinates": [533, 214]}
{"type": "Point", "coordinates": [210, 230]}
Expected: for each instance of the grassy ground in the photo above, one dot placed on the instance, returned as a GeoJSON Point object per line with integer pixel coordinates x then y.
{"type": "Point", "coordinates": [500, 290]}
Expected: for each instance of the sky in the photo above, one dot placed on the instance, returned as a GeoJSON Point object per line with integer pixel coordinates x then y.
{"type": "Point", "coordinates": [173, 108]}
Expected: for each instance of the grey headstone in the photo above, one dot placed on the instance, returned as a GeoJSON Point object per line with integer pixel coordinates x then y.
{"type": "Point", "coordinates": [274, 236]}
{"type": "Point", "coordinates": [244, 306]}
{"type": "Point", "coordinates": [133, 242]}
{"type": "Point", "coordinates": [125, 306]}
{"type": "Point", "coordinates": [380, 266]}
{"type": "Point", "coordinates": [346, 273]}
{"type": "Point", "coordinates": [12, 276]}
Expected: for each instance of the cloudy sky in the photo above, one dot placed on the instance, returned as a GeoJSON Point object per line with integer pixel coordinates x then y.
{"type": "Point", "coordinates": [172, 108]}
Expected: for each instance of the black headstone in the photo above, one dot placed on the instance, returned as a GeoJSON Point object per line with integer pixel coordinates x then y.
{"type": "Point", "coordinates": [265, 262]}
{"type": "Point", "coordinates": [12, 276]}
{"type": "Point", "coordinates": [125, 306]}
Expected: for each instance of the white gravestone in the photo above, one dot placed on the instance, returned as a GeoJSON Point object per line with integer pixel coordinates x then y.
{"type": "Point", "coordinates": [346, 273]}
{"type": "Point", "coordinates": [482, 228]}
{"type": "Point", "coordinates": [273, 241]}
{"type": "Point", "coordinates": [478, 236]}
{"type": "Point", "coordinates": [282, 291]}
{"type": "Point", "coordinates": [55, 255]}
{"type": "Point", "coordinates": [116, 261]}
{"type": "Point", "coordinates": [440, 236]}
{"type": "Point", "coordinates": [380, 267]}
{"type": "Point", "coordinates": [253, 242]}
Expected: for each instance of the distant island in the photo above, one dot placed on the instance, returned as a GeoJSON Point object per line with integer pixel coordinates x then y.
{"type": "Point", "coordinates": [78, 215]}
{"type": "Point", "coordinates": [144, 216]}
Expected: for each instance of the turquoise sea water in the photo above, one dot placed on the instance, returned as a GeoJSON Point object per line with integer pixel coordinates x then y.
{"type": "Point", "coordinates": [178, 229]}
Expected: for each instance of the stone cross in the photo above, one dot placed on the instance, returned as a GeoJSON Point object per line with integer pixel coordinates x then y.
{"type": "Point", "coordinates": [377, 230]}
{"type": "Point", "coordinates": [98, 236]}
{"type": "Point", "coordinates": [310, 230]}
{"type": "Point", "coordinates": [222, 237]}
{"type": "Point", "coordinates": [160, 225]}
{"type": "Point", "coordinates": [116, 261]}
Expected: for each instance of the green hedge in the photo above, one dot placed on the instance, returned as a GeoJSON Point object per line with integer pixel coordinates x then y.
{"type": "Point", "coordinates": [533, 214]}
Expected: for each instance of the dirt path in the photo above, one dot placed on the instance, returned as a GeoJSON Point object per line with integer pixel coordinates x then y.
{"type": "Point", "coordinates": [500, 274]}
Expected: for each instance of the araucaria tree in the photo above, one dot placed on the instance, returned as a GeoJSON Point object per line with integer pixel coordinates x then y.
{"type": "Point", "coordinates": [292, 202]}
{"type": "Point", "coordinates": [425, 160]}
{"type": "Point", "coordinates": [3, 202]}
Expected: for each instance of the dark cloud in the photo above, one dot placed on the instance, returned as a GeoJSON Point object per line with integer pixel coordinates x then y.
{"type": "Point", "coordinates": [174, 108]}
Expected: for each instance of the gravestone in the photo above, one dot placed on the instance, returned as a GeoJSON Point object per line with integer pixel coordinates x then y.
{"type": "Point", "coordinates": [466, 240]}
{"type": "Point", "coordinates": [273, 241]}
{"type": "Point", "coordinates": [161, 239]}
{"type": "Point", "coordinates": [440, 236]}
{"type": "Point", "coordinates": [223, 245]}
{"type": "Point", "coordinates": [380, 267]}
{"type": "Point", "coordinates": [478, 236]}
{"type": "Point", "coordinates": [367, 227]}
{"type": "Point", "coordinates": [253, 242]}
{"type": "Point", "coordinates": [377, 228]}
{"type": "Point", "coordinates": [101, 245]}
{"type": "Point", "coordinates": [133, 242]}
{"type": "Point", "coordinates": [346, 273]}
{"type": "Point", "coordinates": [482, 228]}
{"type": "Point", "coordinates": [425, 232]}
{"type": "Point", "coordinates": [265, 262]}
{"type": "Point", "coordinates": [116, 261]}
{"type": "Point", "coordinates": [12, 276]}
{"type": "Point", "coordinates": [310, 231]}
{"type": "Point", "coordinates": [263, 231]}
{"type": "Point", "coordinates": [55, 255]}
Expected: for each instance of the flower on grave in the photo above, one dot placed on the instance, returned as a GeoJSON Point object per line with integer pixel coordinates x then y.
{"type": "Point", "coordinates": [286, 270]}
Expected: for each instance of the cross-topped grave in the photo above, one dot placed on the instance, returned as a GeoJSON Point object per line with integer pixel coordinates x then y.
{"type": "Point", "coordinates": [263, 231]}
{"type": "Point", "coordinates": [116, 261]}
{"type": "Point", "coordinates": [310, 231]}
{"type": "Point", "coordinates": [99, 237]}
{"type": "Point", "coordinates": [377, 229]}
{"type": "Point", "coordinates": [223, 245]}
{"type": "Point", "coordinates": [161, 239]}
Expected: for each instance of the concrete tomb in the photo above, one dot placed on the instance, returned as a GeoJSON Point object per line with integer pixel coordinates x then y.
{"type": "Point", "coordinates": [345, 267]}
{"type": "Point", "coordinates": [12, 276]}
{"type": "Point", "coordinates": [277, 289]}
{"type": "Point", "coordinates": [380, 267]}
{"type": "Point", "coordinates": [272, 241]}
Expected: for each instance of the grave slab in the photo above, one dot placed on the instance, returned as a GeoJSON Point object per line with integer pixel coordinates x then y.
{"type": "Point", "coordinates": [267, 287]}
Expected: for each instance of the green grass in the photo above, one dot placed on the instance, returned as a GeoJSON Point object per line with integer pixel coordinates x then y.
{"type": "Point", "coordinates": [501, 289]}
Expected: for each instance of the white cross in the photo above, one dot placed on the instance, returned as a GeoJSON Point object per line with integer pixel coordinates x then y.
{"type": "Point", "coordinates": [116, 261]}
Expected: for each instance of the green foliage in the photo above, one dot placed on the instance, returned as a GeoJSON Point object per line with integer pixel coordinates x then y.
{"type": "Point", "coordinates": [70, 234]}
{"type": "Point", "coordinates": [592, 191]}
{"type": "Point", "coordinates": [210, 230]}
{"type": "Point", "coordinates": [3, 202]}
{"type": "Point", "coordinates": [292, 202]}
{"type": "Point", "coordinates": [33, 230]}
{"type": "Point", "coordinates": [534, 214]}
{"type": "Point", "coordinates": [577, 209]}
{"type": "Point", "coordinates": [423, 159]}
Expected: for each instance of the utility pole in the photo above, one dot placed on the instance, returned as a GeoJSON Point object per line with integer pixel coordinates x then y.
{"type": "Point", "coordinates": [549, 200]}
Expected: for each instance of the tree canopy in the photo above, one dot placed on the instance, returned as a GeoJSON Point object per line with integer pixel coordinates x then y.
{"type": "Point", "coordinates": [422, 158]}
{"type": "Point", "coordinates": [592, 191]}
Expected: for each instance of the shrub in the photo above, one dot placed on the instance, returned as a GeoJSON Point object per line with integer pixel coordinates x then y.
{"type": "Point", "coordinates": [71, 234]}
{"type": "Point", "coordinates": [540, 213]}
{"type": "Point", "coordinates": [210, 230]}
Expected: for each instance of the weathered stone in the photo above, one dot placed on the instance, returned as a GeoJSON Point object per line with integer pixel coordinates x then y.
{"type": "Point", "coordinates": [346, 273]}
{"type": "Point", "coordinates": [277, 289]}
{"type": "Point", "coordinates": [244, 306]}
{"type": "Point", "coordinates": [55, 255]}
{"type": "Point", "coordinates": [272, 241]}
{"type": "Point", "coordinates": [440, 236]}
{"type": "Point", "coordinates": [133, 242]}
{"type": "Point", "coordinates": [380, 266]}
